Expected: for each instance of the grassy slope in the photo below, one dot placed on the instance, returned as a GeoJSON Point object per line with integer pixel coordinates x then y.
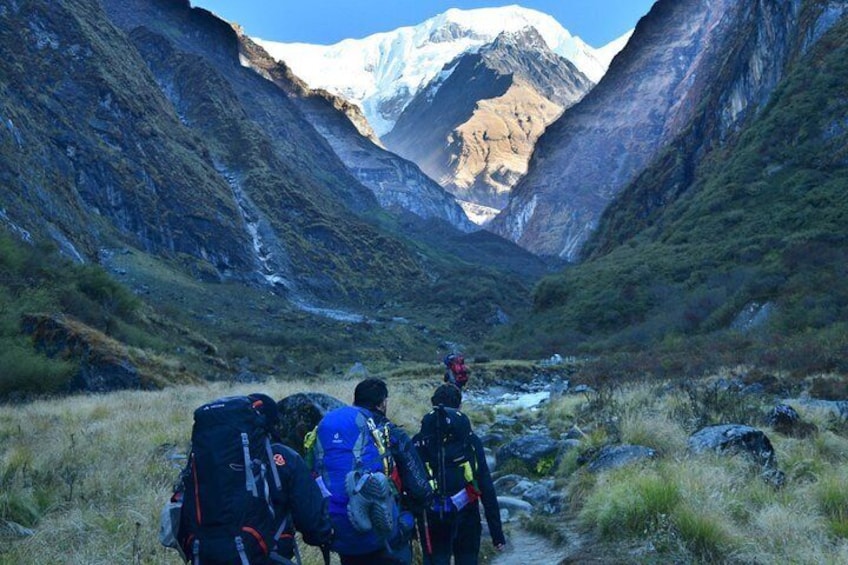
{"type": "Point", "coordinates": [763, 221]}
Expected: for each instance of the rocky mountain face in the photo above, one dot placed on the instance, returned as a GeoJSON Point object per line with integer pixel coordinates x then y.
{"type": "Point", "coordinates": [474, 127]}
{"type": "Point", "coordinates": [397, 183]}
{"type": "Point", "coordinates": [745, 84]}
{"type": "Point", "coordinates": [681, 54]}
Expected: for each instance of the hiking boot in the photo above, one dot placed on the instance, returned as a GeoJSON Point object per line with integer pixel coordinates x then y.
{"type": "Point", "coordinates": [357, 506]}
{"type": "Point", "coordinates": [381, 510]}
{"type": "Point", "coordinates": [372, 504]}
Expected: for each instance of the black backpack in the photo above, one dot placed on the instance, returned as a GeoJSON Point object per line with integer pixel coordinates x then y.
{"type": "Point", "coordinates": [448, 453]}
{"type": "Point", "coordinates": [228, 514]}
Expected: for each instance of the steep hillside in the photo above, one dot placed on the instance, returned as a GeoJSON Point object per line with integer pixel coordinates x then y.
{"type": "Point", "coordinates": [752, 237]}
{"type": "Point", "coordinates": [474, 127]}
{"type": "Point", "coordinates": [678, 55]}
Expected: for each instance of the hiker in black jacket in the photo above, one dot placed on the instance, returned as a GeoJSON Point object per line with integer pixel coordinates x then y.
{"type": "Point", "coordinates": [452, 524]}
{"type": "Point", "coordinates": [300, 498]}
{"type": "Point", "coordinates": [297, 502]}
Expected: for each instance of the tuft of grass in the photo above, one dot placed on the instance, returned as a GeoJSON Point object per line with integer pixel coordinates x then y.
{"type": "Point", "coordinates": [704, 535]}
{"type": "Point", "coordinates": [831, 494]}
{"type": "Point", "coordinates": [630, 504]}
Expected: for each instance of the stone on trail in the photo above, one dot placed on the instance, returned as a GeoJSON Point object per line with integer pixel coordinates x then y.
{"type": "Point", "coordinates": [530, 450]}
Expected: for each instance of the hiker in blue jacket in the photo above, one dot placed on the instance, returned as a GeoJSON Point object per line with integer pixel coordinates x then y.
{"type": "Point", "coordinates": [357, 454]}
{"type": "Point", "coordinates": [452, 525]}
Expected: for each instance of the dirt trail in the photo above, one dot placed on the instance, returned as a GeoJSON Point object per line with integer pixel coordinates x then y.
{"type": "Point", "coordinates": [524, 548]}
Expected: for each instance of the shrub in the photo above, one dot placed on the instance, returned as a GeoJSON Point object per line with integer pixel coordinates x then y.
{"type": "Point", "coordinates": [27, 372]}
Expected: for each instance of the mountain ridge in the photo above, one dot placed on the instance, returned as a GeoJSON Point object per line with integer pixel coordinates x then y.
{"type": "Point", "coordinates": [396, 65]}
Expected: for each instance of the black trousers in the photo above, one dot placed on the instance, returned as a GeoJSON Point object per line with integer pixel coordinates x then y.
{"type": "Point", "coordinates": [454, 534]}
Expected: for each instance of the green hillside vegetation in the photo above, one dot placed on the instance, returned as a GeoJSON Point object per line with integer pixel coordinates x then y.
{"type": "Point", "coordinates": [763, 222]}
{"type": "Point", "coordinates": [176, 327]}
{"type": "Point", "coordinates": [112, 321]}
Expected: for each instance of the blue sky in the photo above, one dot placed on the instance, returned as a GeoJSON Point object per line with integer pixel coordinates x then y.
{"type": "Point", "coordinates": [328, 21]}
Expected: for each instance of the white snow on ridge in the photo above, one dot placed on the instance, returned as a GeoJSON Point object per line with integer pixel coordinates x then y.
{"type": "Point", "coordinates": [382, 72]}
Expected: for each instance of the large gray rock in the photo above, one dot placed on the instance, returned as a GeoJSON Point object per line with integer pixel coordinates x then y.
{"type": "Point", "coordinates": [300, 413]}
{"type": "Point", "coordinates": [615, 456]}
{"type": "Point", "coordinates": [530, 450]}
{"type": "Point", "coordinates": [735, 438]}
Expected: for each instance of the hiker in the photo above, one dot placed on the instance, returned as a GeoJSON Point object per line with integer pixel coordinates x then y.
{"type": "Point", "coordinates": [370, 470]}
{"type": "Point", "coordinates": [456, 371]}
{"type": "Point", "coordinates": [243, 492]}
{"type": "Point", "coordinates": [455, 461]}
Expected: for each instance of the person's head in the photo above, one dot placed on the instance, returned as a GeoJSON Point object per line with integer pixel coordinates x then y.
{"type": "Point", "coordinates": [371, 394]}
{"type": "Point", "coordinates": [447, 395]}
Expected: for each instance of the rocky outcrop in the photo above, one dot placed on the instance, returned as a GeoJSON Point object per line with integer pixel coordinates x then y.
{"type": "Point", "coordinates": [737, 438]}
{"type": "Point", "coordinates": [617, 456]}
{"type": "Point", "coordinates": [474, 126]}
{"type": "Point", "coordinates": [104, 364]}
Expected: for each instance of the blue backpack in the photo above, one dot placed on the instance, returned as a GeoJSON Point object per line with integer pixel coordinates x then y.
{"type": "Point", "coordinates": [348, 451]}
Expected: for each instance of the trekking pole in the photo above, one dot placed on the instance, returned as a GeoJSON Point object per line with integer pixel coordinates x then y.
{"type": "Point", "coordinates": [440, 453]}
{"type": "Point", "coordinates": [427, 539]}
{"type": "Point", "coordinates": [325, 551]}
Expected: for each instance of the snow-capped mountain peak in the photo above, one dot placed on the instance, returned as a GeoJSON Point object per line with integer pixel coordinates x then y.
{"type": "Point", "coordinates": [383, 72]}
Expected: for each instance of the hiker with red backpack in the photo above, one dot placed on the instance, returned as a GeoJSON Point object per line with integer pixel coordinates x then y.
{"type": "Point", "coordinates": [243, 493]}
{"type": "Point", "coordinates": [456, 464]}
{"type": "Point", "coordinates": [369, 470]}
{"type": "Point", "coordinates": [456, 371]}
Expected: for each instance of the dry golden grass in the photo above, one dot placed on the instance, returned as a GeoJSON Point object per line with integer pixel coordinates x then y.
{"type": "Point", "coordinates": [89, 474]}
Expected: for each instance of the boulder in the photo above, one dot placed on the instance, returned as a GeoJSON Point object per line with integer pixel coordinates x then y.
{"type": "Point", "coordinates": [785, 420]}
{"type": "Point", "coordinates": [738, 438]}
{"type": "Point", "coordinates": [300, 413]}
{"type": "Point", "coordinates": [539, 494]}
{"type": "Point", "coordinates": [615, 456]}
{"type": "Point", "coordinates": [514, 505]}
{"type": "Point", "coordinates": [538, 452]}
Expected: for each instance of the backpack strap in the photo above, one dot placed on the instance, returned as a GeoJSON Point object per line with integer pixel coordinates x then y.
{"type": "Point", "coordinates": [364, 423]}
{"type": "Point", "coordinates": [240, 549]}
{"type": "Point", "coordinates": [272, 464]}
{"type": "Point", "coordinates": [250, 481]}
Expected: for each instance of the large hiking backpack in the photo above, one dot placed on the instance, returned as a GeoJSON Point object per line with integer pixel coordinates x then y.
{"type": "Point", "coordinates": [446, 448]}
{"type": "Point", "coordinates": [352, 462]}
{"type": "Point", "coordinates": [228, 515]}
{"type": "Point", "coordinates": [456, 370]}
